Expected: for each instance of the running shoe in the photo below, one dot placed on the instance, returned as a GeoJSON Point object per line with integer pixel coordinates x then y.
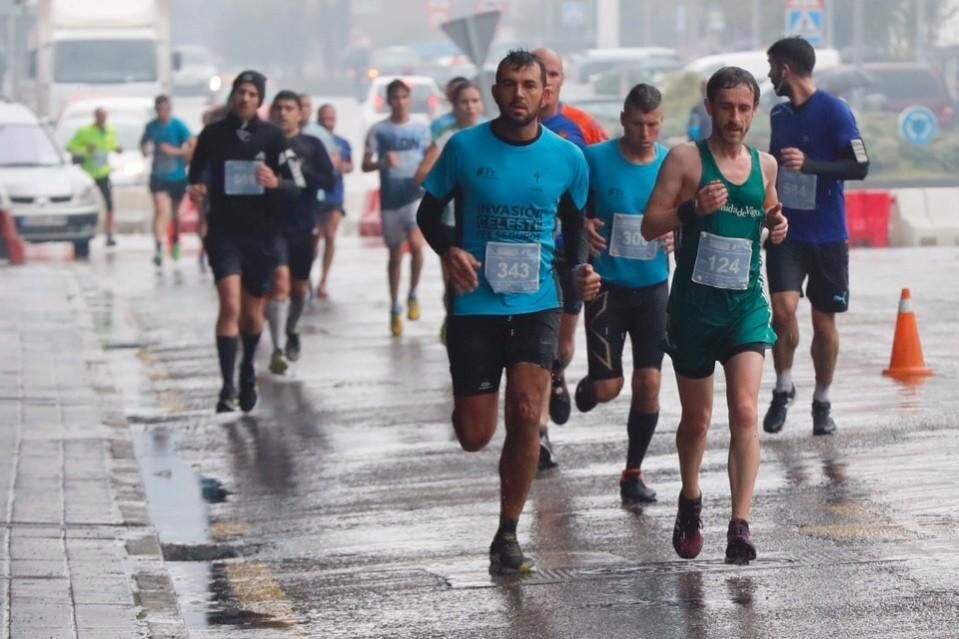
{"type": "Point", "coordinates": [412, 309]}
{"type": "Point", "coordinates": [248, 394]}
{"type": "Point", "coordinates": [111, 241]}
{"type": "Point", "coordinates": [227, 401]}
{"type": "Point", "coordinates": [293, 346]}
{"type": "Point", "coordinates": [776, 415]}
{"type": "Point", "coordinates": [175, 251]}
{"type": "Point", "coordinates": [396, 323]}
{"type": "Point", "coordinates": [158, 257]}
{"type": "Point", "coordinates": [506, 557]}
{"type": "Point", "coordinates": [739, 543]}
{"type": "Point", "coordinates": [278, 363]}
{"type": "Point", "coordinates": [585, 398]}
{"type": "Point", "coordinates": [688, 531]}
{"type": "Point", "coordinates": [822, 421]}
{"type": "Point", "coordinates": [547, 456]}
{"type": "Point", "coordinates": [559, 405]}
{"type": "Point", "coordinates": [633, 489]}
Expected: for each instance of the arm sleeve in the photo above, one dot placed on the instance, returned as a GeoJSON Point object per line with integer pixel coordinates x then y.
{"type": "Point", "coordinates": [429, 217]}
{"type": "Point", "coordinates": [201, 156]}
{"type": "Point", "coordinates": [572, 214]}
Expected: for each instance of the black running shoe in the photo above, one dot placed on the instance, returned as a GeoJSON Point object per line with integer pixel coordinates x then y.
{"type": "Point", "coordinates": [822, 421]}
{"type": "Point", "coordinates": [559, 405]}
{"type": "Point", "coordinates": [293, 346]}
{"type": "Point", "coordinates": [248, 394]}
{"type": "Point", "coordinates": [547, 457]}
{"type": "Point", "coordinates": [506, 557]}
{"type": "Point", "coordinates": [633, 489]}
{"type": "Point", "coordinates": [688, 529]}
{"type": "Point", "coordinates": [585, 397]}
{"type": "Point", "coordinates": [739, 543]}
{"type": "Point", "coordinates": [776, 415]}
{"type": "Point", "coordinates": [226, 405]}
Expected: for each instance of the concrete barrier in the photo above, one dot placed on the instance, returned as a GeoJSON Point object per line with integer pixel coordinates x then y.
{"type": "Point", "coordinates": [925, 217]}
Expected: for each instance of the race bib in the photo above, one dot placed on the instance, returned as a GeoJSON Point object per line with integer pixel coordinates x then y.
{"type": "Point", "coordinates": [797, 190]}
{"type": "Point", "coordinates": [240, 177]}
{"type": "Point", "coordinates": [627, 241]}
{"type": "Point", "coordinates": [723, 262]}
{"type": "Point", "coordinates": [164, 163]}
{"type": "Point", "coordinates": [512, 268]}
{"type": "Point", "coordinates": [99, 158]}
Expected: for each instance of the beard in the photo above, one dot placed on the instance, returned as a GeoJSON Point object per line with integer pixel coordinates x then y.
{"type": "Point", "coordinates": [518, 121]}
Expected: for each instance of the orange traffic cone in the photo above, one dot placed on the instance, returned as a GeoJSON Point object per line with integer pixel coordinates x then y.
{"type": "Point", "coordinates": [12, 240]}
{"type": "Point", "coordinates": [906, 360]}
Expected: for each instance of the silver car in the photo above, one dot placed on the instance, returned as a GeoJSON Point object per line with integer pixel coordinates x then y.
{"type": "Point", "coordinates": [51, 199]}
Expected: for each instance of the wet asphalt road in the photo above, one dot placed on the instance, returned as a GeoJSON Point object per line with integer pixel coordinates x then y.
{"type": "Point", "coordinates": [342, 506]}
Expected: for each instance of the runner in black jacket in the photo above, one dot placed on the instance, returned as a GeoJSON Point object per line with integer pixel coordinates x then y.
{"type": "Point", "coordinates": [243, 165]}
{"type": "Point", "coordinates": [296, 246]}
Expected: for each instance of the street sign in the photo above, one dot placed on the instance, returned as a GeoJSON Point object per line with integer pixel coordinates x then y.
{"type": "Point", "coordinates": [918, 125]}
{"type": "Point", "coordinates": [473, 35]}
{"type": "Point", "coordinates": [805, 18]}
{"type": "Point", "coordinates": [438, 12]}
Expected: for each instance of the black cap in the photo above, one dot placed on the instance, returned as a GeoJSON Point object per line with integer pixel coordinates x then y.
{"type": "Point", "coordinates": [255, 78]}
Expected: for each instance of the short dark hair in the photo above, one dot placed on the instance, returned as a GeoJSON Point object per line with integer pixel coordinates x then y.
{"type": "Point", "coordinates": [521, 59]}
{"type": "Point", "coordinates": [731, 77]}
{"type": "Point", "coordinates": [796, 52]}
{"type": "Point", "coordinates": [458, 90]}
{"type": "Point", "coordinates": [394, 86]}
{"type": "Point", "coordinates": [161, 99]}
{"type": "Point", "coordinates": [286, 96]}
{"type": "Point", "coordinates": [644, 97]}
{"type": "Point", "coordinates": [454, 81]}
{"type": "Point", "coordinates": [324, 107]}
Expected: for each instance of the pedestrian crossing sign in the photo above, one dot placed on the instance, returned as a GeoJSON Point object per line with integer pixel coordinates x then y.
{"type": "Point", "coordinates": [806, 22]}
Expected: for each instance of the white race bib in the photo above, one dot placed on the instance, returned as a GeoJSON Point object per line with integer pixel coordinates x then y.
{"type": "Point", "coordinates": [240, 177]}
{"type": "Point", "coordinates": [627, 241]}
{"type": "Point", "coordinates": [99, 158]}
{"type": "Point", "coordinates": [512, 268]}
{"type": "Point", "coordinates": [797, 190]}
{"type": "Point", "coordinates": [723, 262]}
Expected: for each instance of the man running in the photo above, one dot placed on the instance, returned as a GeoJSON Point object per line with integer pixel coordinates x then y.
{"type": "Point", "coordinates": [818, 145]}
{"type": "Point", "coordinates": [93, 145]}
{"type": "Point", "coordinates": [634, 273]}
{"type": "Point", "coordinates": [171, 143]}
{"type": "Point", "coordinates": [510, 179]}
{"type": "Point", "coordinates": [582, 130]}
{"type": "Point", "coordinates": [331, 209]}
{"type": "Point", "coordinates": [717, 309]}
{"type": "Point", "coordinates": [315, 128]}
{"type": "Point", "coordinates": [398, 143]}
{"type": "Point", "coordinates": [236, 165]}
{"type": "Point", "coordinates": [312, 171]}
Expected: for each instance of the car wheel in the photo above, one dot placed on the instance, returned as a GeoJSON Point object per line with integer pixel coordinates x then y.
{"type": "Point", "coordinates": [81, 249]}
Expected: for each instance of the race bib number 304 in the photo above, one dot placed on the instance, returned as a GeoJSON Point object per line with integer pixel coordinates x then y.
{"type": "Point", "coordinates": [512, 268]}
{"type": "Point", "coordinates": [240, 177]}
{"type": "Point", "coordinates": [627, 241]}
{"type": "Point", "coordinates": [723, 262]}
{"type": "Point", "coordinates": [797, 190]}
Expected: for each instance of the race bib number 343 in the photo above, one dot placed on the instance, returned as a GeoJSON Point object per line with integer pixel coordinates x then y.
{"type": "Point", "coordinates": [512, 268]}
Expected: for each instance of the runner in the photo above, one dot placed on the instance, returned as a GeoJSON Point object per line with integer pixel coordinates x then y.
{"type": "Point", "coordinates": [93, 144]}
{"type": "Point", "coordinates": [315, 128]}
{"type": "Point", "coordinates": [447, 121]}
{"type": "Point", "coordinates": [311, 172]}
{"type": "Point", "coordinates": [171, 143]}
{"type": "Point", "coordinates": [398, 144]}
{"type": "Point", "coordinates": [236, 165]}
{"type": "Point", "coordinates": [818, 145]}
{"type": "Point", "coordinates": [510, 179]}
{"type": "Point", "coordinates": [634, 276]}
{"type": "Point", "coordinates": [581, 129]}
{"type": "Point", "coordinates": [717, 308]}
{"type": "Point", "coordinates": [331, 209]}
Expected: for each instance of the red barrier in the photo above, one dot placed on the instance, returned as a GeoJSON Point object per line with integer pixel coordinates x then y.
{"type": "Point", "coordinates": [189, 219]}
{"type": "Point", "coordinates": [867, 217]}
{"type": "Point", "coordinates": [370, 223]}
{"type": "Point", "coordinates": [11, 239]}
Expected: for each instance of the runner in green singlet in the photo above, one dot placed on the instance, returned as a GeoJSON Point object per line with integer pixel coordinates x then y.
{"type": "Point", "coordinates": [720, 194]}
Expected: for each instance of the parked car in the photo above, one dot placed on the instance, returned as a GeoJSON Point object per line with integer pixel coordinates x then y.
{"type": "Point", "coordinates": [51, 199]}
{"type": "Point", "coordinates": [585, 65]}
{"type": "Point", "coordinates": [897, 86]}
{"type": "Point", "coordinates": [196, 67]}
{"type": "Point", "coordinates": [427, 98]}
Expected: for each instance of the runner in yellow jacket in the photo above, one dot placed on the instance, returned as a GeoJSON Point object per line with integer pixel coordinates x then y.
{"type": "Point", "coordinates": [93, 145]}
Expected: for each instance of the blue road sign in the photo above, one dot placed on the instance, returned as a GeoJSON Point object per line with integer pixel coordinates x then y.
{"type": "Point", "coordinates": [806, 22]}
{"type": "Point", "coordinates": [918, 125]}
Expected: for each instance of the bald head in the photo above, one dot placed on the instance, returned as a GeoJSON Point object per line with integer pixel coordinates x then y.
{"type": "Point", "coordinates": [554, 78]}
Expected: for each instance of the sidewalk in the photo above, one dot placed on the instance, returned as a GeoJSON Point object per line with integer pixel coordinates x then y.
{"type": "Point", "coordinates": [78, 557]}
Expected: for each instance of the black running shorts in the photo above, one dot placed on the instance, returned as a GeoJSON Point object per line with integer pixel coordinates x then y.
{"type": "Point", "coordinates": [617, 312]}
{"type": "Point", "coordinates": [296, 252]}
{"type": "Point", "coordinates": [251, 257]}
{"type": "Point", "coordinates": [481, 346]}
{"type": "Point", "coordinates": [825, 265]}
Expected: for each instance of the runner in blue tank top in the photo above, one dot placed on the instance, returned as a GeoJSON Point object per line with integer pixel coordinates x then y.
{"type": "Point", "coordinates": [634, 272]}
{"type": "Point", "coordinates": [509, 179]}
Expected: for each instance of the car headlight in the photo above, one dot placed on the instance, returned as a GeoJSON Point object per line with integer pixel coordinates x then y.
{"type": "Point", "coordinates": [87, 196]}
{"type": "Point", "coordinates": [216, 82]}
